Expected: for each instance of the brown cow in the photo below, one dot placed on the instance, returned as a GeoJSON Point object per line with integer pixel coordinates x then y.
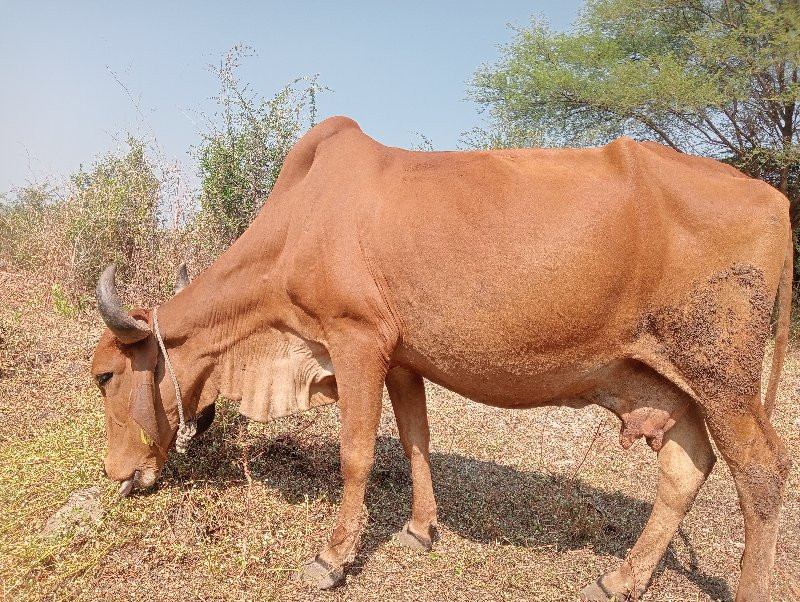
{"type": "Point", "coordinates": [628, 276]}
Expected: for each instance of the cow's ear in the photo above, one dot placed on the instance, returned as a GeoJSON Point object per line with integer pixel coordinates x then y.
{"type": "Point", "coordinates": [143, 408]}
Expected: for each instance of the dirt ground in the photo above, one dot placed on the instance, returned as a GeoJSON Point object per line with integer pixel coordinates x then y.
{"type": "Point", "coordinates": [533, 504]}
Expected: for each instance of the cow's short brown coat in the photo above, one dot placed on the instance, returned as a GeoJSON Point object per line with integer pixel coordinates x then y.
{"type": "Point", "coordinates": [629, 276]}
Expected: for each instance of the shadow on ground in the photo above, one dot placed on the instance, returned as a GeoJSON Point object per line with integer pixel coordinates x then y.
{"type": "Point", "coordinates": [482, 501]}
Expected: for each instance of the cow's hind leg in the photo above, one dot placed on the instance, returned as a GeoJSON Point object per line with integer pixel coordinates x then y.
{"type": "Point", "coordinates": [759, 464]}
{"type": "Point", "coordinates": [684, 461]}
{"type": "Point", "coordinates": [407, 392]}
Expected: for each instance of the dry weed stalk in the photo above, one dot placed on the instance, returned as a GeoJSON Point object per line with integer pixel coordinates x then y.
{"type": "Point", "coordinates": [573, 473]}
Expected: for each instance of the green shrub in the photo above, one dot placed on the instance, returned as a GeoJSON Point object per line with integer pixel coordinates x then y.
{"type": "Point", "coordinates": [110, 213]}
{"type": "Point", "coordinates": [62, 303]}
{"type": "Point", "coordinates": [240, 160]}
{"type": "Point", "coordinates": [23, 217]}
{"type": "Point", "coordinates": [112, 216]}
{"type": "Point", "coordinates": [117, 210]}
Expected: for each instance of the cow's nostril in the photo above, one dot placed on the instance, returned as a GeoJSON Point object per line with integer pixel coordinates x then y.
{"type": "Point", "coordinates": [105, 473]}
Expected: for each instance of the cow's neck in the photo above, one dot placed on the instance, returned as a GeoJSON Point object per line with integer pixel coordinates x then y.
{"type": "Point", "coordinates": [214, 319]}
{"type": "Point", "coordinates": [226, 335]}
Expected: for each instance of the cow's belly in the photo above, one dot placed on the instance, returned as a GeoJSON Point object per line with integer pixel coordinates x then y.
{"type": "Point", "coordinates": [513, 378]}
{"type": "Point", "coordinates": [514, 297]}
{"type": "Point", "coordinates": [520, 331]}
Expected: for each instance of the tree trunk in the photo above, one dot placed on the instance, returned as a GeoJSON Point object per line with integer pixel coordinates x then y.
{"type": "Point", "coordinates": [794, 212]}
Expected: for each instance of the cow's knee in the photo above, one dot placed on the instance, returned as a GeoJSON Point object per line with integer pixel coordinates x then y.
{"type": "Point", "coordinates": [356, 464]}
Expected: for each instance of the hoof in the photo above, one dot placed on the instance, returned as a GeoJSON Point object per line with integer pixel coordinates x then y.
{"type": "Point", "coordinates": [320, 574]}
{"type": "Point", "coordinates": [415, 542]}
{"type": "Point", "coordinates": [597, 592]}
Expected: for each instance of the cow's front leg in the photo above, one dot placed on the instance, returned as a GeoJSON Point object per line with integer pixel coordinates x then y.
{"type": "Point", "coordinates": [407, 392]}
{"type": "Point", "coordinates": [360, 370]}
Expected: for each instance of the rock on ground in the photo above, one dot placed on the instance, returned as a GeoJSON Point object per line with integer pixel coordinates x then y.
{"type": "Point", "coordinates": [82, 511]}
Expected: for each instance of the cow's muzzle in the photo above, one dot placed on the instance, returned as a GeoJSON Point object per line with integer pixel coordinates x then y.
{"type": "Point", "coordinates": [127, 485]}
{"type": "Point", "coordinates": [141, 480]}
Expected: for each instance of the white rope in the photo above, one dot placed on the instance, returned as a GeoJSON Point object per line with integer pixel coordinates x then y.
{"type": "Point", "coordinates": [185, 430]}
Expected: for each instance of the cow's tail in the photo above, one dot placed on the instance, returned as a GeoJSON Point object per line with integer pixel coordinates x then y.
{"type": "Point", "coordinates": [781, 329]}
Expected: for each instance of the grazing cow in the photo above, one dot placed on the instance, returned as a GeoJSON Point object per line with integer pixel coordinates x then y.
{"type": "Point", "coordinates": [628, 276]}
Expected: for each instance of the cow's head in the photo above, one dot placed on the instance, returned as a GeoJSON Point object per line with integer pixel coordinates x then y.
{"type": "Point", "coordinates": [126, 367]}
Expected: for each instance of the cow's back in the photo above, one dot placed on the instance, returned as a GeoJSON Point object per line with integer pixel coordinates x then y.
{"type": "Point", "coordinates": [522, 265]}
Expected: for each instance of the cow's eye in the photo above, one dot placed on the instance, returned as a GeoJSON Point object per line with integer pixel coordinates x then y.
{"type": "Point", "coordinates": [103, 378]}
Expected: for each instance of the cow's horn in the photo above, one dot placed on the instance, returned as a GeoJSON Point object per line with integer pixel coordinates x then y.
{"type": "Point", "coordinates": [181, 278]}
{"type": "Point", "coordinates": [126, 328]}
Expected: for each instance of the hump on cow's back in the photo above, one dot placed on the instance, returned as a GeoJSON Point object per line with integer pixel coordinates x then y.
{"type": "Point", "coordinates": [301, 156]}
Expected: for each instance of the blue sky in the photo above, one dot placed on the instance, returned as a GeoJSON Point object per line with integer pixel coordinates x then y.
{"type": "Point", "coordinates": [398, 68]}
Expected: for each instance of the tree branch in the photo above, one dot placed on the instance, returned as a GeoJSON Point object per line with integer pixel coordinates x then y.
{"type": "Point", "coordinates": [649, 123]}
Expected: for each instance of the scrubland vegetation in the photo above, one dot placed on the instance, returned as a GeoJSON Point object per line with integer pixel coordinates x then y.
{"type": "Point", "coordinates": [131, 207]}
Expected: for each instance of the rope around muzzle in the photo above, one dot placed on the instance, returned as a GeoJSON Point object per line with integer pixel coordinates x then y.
{"type": "Point", "coordinates": [186, 430]}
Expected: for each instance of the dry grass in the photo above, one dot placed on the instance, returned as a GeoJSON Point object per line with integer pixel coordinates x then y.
{"type": "Point", "coordinates": [516, 521]}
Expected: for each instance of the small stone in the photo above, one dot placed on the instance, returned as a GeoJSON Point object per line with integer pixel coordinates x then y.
{"type": "Point", "coordinates": [82, 511]}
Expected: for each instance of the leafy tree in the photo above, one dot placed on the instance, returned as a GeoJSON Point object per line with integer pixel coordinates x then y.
{"type": "Point", "coordinates": [240, 160]}
{"type": "Point", "coordinates": [711, 77]}
{"type": "Point", "coordinates": [503, 132]}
